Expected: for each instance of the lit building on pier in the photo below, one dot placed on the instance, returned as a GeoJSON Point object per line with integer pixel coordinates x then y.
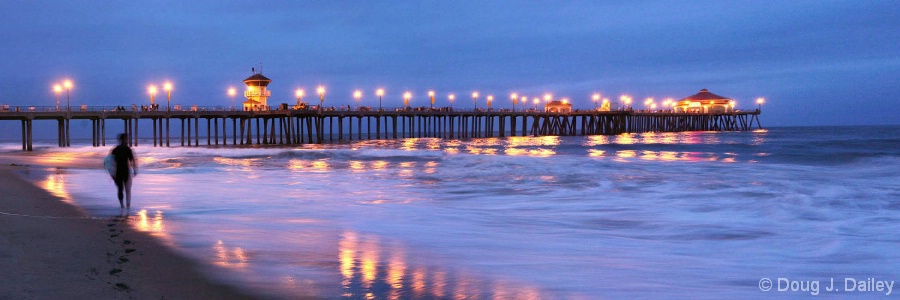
{"type": "Point", "coordinates": [705, 102]}
{"type": "Point", "coordinates": [257, 92]}
{"type": "Point", "coordinates": [558, 107]}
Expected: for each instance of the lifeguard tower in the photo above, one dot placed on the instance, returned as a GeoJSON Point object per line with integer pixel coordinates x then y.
{"type": "Point", "coordinates": [257, 92]}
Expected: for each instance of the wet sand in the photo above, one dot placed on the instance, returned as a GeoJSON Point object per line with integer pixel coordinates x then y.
{"type": "Point", "coordinates": [51, 250]}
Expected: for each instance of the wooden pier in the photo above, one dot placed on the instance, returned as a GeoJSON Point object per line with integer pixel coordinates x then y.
{"type": "Point", "coordinates": [224, 126]}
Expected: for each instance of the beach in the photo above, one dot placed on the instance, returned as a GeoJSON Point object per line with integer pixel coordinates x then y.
{"type": "Point", "coordinates": [51, 249]}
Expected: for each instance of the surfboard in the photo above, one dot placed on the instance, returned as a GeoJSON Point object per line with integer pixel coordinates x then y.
{"type": "Point", "coordinates": [110, 163]}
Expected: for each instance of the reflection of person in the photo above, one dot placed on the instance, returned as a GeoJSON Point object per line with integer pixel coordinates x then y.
{"type": "Point", "coordinates": [124, 156]}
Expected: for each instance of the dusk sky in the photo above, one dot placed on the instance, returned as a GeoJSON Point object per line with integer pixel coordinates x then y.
{"type": "Point", "coordinates": [816, 62]}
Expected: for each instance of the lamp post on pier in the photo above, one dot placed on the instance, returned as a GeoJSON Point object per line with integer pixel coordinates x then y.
{"type": "Point", "coordinates": [58, 90]}
{"type": "Point", "coordinates": [152, 91]}
{"type": "Point", "coordinates": [475, 99]}
{"type": "Point", "coordinates": [406, 97]}
{"type": "Point", "coordinates": [68, 85]}
{"type": "Point", "coordinates": [596, 98]}
{"type": "Point", "coordinates": [357, 95]}
{"type": "Point", "coordinates": [232, 92]}
{"type": "Point", "coordinates": [759, 102]}
{"type": "Point", "coordinates": [431, 95]}
{"type": "Point", "coordinates": [490, 98]}
{"type": "Point", "coordinates": [299, 93]}
{"type": "Point", "coordinates": [380, 93]}
{"type": "Point", "coordinates": [168, 87]}
{"type": "Point", "coordinates": [451, 97]}
{"type": "Point", "coordinates": [321, 91]}
{"type": "Point", "coordinates": [515, 99]}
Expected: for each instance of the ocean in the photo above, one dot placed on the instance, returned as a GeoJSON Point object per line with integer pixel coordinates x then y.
{"type": "Point", "coordinates": [655, 215]}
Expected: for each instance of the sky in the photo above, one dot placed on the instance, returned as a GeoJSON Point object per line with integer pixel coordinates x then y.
{"type": "Point", "coordinates": [815, 62]}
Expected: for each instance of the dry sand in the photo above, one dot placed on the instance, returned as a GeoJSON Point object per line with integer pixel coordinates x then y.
{"type": "Point", "coordinates": [51, 250]}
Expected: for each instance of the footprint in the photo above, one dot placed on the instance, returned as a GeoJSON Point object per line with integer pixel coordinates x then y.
{"type": "Point", "coordinates": [115, 271]}
{"type": "Point", "coordinates": [114, 235]}
{"type": "Point", "coordinates": [129, 250]}
{"type": "Point", "coordinates": [122, 286]}
{"type": "Point", "coordinates": [123, 259]}
{"type": "Point", "coordinates": [127, 242]}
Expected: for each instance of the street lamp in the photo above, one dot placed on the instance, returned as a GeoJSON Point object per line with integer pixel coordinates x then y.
{"type": "Point", "coordinates": [732, 103]}
{"type": "Point", "coordinates": [490, 98]}
{"type": "Point", "coordinates": [475, 99]}
{"type": "Point", "coordinates": [321, 91]}
{"type": "Point", "coordinates": [515, 99]}
{"type": "Point", "coordinates": [232, 92]}
{"type": "Point", "coordinates": [380, 93]}
{"type": "Point", "coordinates": [606, 104]}
{"type": "Point", "coordinates": [451, 97]}
{"type": "Point", "coordinates": [536, 102]}
{"type": "Point", "coordinates": [626, 100]}
{"type": "Point", "coordinates": [58, 90]}
{"type": "Point", "coordinates": [168, 87]}
{"type": "Point", "coordinates": [596, 98]}
{"type": "Point", "coordinates": [357, 95]}
{"type": "Point", "coordinates": [406, 97]}
{"type": "Point", "coordinates": [760, 101]}
{"type": "Point", "coordinates": [152, 91]}
{"type": "Point", "coordinates": [431, 95]}
{"type": "Point", "coordinates": [68, 85]}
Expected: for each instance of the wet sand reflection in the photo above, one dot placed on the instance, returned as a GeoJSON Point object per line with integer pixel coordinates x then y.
{"type": "Point", "coordinates": [374, 269]}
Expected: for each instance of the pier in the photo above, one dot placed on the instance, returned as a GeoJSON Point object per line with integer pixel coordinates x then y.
{"type": "Point", "coordinates": [225, 126]}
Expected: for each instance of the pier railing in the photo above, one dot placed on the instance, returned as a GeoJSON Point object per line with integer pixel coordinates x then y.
{"type": "Point", "coordinates": [314, 125]}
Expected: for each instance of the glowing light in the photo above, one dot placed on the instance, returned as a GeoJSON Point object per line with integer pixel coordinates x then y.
{"type": "Point", "coordinates": [379, 92]}
{"type": "Point", "coordinates": [474, 94]}
{"type": "Point", "coordinates": [547, 97]}
{"type": "Point", "coordinates": [430, 93]}
{"type": "Point", "coordinates": [565, 100]}
{"type": "Point", "coordinates": [152, 90]}
{"type": "Point", "coordinates": [167, 87]}
{"type": "Point", "coordinates": [596, 97]}
{"type": "Point", "coordinates": [320, 90]}
{"type": "Point", "coordinates": [407, 95]}
{"type": "Point", "coordinates": [357, 94]}
{"type": "Point", "coordinates": [299, 93]}
{"type": "Point", "coordinates": [232, 91]}
{"type": "Point", "coordinates": [451, 97]}
{"type": "Point", "coordinates": [57, 88]}
{"type": "Point", "coordinates": [513, 96]}
{"type": "Point", "coordinates": [67, 84]}
{"type": "Point", "coordinates": [760, 100]}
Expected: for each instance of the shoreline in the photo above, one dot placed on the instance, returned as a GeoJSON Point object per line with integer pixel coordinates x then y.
{"type": "Point", "coordinates": [51, 249]}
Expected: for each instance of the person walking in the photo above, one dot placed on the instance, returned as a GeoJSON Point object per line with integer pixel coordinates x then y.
{"type": "Point", "coordinates": [126, 169]}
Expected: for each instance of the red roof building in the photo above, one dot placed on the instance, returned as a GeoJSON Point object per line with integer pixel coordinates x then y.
{"type": "Point", "coordinates": [704, 102]}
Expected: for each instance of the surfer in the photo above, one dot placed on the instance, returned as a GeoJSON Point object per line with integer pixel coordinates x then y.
{"type": "Point", "coordinates": [123, 156]}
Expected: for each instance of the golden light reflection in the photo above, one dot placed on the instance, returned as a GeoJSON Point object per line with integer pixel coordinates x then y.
{"type": "Point", "coordinates": [146, 224]}
{"type": "Point", "coordinates": [232, 161]}
{"type": "Point", "coordinates": [316, 165]}
{"type": "Point", "coordinates": [595, 140]}
{"type": "Point", "coordinates": [369, 262]}
{"type": "Point", "coordinates": [596, 153]}
{"type": "Point", "coordinates": [379, 164]}
{"type": "Point", "coordinates": [357, 166]}
{"type": "Point", "coordinates": [373, 269]}
{"type": "Point", "coordinates": [234, 257]}
{"type": "Point", "coordinates": [625, 139]}
{"type": "Point", "coordinates": [56, 185]}
{"type": "Point", "coordinates": [530, 152]}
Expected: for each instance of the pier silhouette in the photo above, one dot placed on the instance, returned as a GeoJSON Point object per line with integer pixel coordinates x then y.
{"type": "Point", "coordinates": [290, 126]}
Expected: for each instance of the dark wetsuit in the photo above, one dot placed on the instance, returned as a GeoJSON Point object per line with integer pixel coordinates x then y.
{"type": "Point", "coordinates": [123, 156]}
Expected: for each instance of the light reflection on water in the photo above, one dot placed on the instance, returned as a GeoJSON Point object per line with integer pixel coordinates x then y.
{"type": "Point", "coordinates": [516, 218]}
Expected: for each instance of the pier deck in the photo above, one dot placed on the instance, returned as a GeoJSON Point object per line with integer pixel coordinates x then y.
{"type": "Point", "coordinates": [289, 126]}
